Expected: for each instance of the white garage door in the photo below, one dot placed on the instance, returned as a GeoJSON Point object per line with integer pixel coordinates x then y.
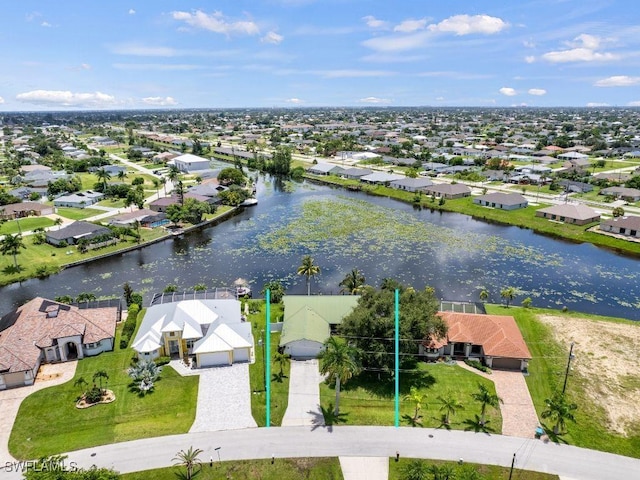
{"type": "Point", "coordinates": [213, 359]}
{"type": "Point", "coordinates": [241, 355]}
{"type": "Point", "coordinates": [303, 349]}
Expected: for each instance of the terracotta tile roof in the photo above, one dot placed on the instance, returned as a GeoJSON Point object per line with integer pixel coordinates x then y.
{"type": "Point", "coordinates": [35, 325]}
{"type": "Point", "coordinates": [499, 335]}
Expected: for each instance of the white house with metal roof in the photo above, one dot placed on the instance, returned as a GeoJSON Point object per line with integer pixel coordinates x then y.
{"type": "Point", "coordinates": [206, 332]}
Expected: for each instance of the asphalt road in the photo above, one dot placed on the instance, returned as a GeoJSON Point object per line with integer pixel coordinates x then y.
{"type": "Point", "coordinates": [282, 442]}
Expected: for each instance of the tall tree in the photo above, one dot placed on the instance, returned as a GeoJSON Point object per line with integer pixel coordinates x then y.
{"type": "Point", "coordinates": [508, 294]}
{"type": "Point", "coordinates": [308, 269]}
{"type": "Point", "coordinates": [486, 399]}
{"type": "Point", "coordinates": [103, 177]}
{"type": "Point", "coordinates": [11, 245]}
{"type": "Point", "coordinates": [339, 361]}
{"type": "Point", "coordinates": [559, 410]}
{"type": "Point", "coordinates": [189, 459]}
{"type": "Point", "coordinates": [353, 282]}
{"type": "Point", "coordinates": [100, 375]}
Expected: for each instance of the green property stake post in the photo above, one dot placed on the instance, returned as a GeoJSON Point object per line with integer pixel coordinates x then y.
{"type": "Point", "coordinates": [397, 354]}
{"type": "Point", "coordinates": [267, 360]}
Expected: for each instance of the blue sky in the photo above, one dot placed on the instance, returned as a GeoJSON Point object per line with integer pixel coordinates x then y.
{"type": "Point", "coordinates": [273, 53]}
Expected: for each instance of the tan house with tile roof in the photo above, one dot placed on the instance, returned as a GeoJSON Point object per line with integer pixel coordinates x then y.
{"type": "Point", "coordinates": [46, 331]}
{"type": "Point", "coordinates": [493, 339]}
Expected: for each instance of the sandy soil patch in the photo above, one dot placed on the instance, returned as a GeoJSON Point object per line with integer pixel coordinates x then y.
{"type": "Point", "coordinates": [606, 355]}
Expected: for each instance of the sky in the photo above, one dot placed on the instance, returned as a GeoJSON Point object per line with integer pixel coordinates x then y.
{"type": "Point", "coordinates": [79, 55]}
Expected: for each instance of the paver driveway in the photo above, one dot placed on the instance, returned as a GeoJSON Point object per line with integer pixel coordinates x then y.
{"type": "Point", "coordinates": [224, 399]}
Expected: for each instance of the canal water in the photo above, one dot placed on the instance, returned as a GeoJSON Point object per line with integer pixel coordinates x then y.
{"type": "Point", "coordinates": [383, 238]}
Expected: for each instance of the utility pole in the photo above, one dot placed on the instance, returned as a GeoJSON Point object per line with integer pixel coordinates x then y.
{"type": "Point", "coordinates": [566, 373]}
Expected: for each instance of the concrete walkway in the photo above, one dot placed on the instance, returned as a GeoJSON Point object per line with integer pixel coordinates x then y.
{"type": "Point", "coordinates": [303, 407]}
{"type": "Point", "coordinates": [10, 400]}
{"type": "Point", "coordinates": [364, 468]}
{"type": "Point", "coordinates": [519, 417]}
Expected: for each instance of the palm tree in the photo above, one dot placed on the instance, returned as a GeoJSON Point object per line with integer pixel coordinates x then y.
{"type": "Point", "coordinates": [353, 282]}
{"type": "Point", "coordinates": [508, 294]}
{"type": "Point", "coordinates": [190, 461]}
{"type": "Point", "coordinates": [485, 398]}
{"type": "Point", "coordinates": [338, 360]}
{"type": "Point", "coordinates": [281, 360]}
{"type": "Point", "coordinates": [122, 175]}
{"type": "Point", "coordinates": [11, 245]}
{"type": "Point", "coordinates": [417, 397]}
{"type": "Point", "coordinates": [80, 382]}
{"type": "Point", "coordinates": [174, 173]}
{"type": "Point", "coordinates": [559, 410]}
{"type": "Point", "coordinates": [415, 470]}
{"type": "Point", "coordinates": [100, 374]}
{"type": "Point", "coordinates": [103, 176]}
{"type": "Point", "coordinates": [156, 184]}
{"type": "Point", "coordinates": [58, 221]}
{"type": "Point", "coordinates": [308, 269]}
{"type": "Point", "coordinates": [484, 295]}
{"type": "Point", "coordinates": [449, 405]}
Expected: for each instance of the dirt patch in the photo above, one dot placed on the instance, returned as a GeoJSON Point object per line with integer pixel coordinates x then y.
{"type": "Point", "coordinates": [606, 354]}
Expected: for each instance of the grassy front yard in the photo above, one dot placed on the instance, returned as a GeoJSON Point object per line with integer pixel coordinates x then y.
{"type": "Point", "coordinates": [49, 423]}
{"type": "Point", "coordinates": [77, 213]}
{"type": "Point", "coordinates": [25, 225]}
{"type": "Point", "coordinates": [279, 384]}
{"type": "Point", "coordinates": [369, 400]}
{"type": "Point", "coordinates": [547, 368]}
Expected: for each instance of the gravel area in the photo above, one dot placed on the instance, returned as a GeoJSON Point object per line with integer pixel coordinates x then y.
{"type": "Point", "coordinates": [224, 399]}
{"type": "Point", "coordinates": [10, 400]}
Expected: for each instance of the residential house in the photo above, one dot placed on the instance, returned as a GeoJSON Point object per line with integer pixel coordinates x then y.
{"type": "Point", "coordinates": [47, 331]}
{"type": "Point", "coordinates": [449, 190]}
{"type": "Point", "coordinates": [79, 199]}
{"type": "Point", "coordinates": [494, 340]}
{"type": "Point", "coordinates": [162, 203]}
{"type": "Point", "coordinates": [309, 320]}
{"type": "Point", "coordinates": [628, 226]}
{"type": "Point", "coordinates": [325, 169]}
{"type": "Point", "coordinates": [381, 178]}
{"type": "Point", "coordinates": [72, 234]}
{"type": "Point", "coordinates": [627, 194]}
{"type": "Point", "coordinates": [24, 209]}
{"type": "Point", "coordinates": [576, 214]}
{"type": "Point", "coordinates": [356, 173]}
{"type": "Point", "coordinates": [208, 332]}
{"type": "Point", "coordinates": [146, 217]}
{"type": "Point", "coordinates": [412, 184]}
{"type": "Point", "coordinates": [503, 201]}
{"type": "Point", "coordinates": [576, 187]}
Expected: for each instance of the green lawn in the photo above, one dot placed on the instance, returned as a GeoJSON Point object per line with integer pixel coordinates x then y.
{"type": "Point", "coordinates": [24, 225]}
{"type": "Point", "coordinates": [369, 400]}
{"type": "Point", "coordinates": [279, 384]}
{"type": "Point", "coordinates": [282, 469]}
{"type": "Point", "coordinates": [49, 423]}
{"type": "Point", "coordinates": [77, 213]}
{"type": "Point", "coordinates": [547, 375]}
{"type": "Point", "coordinates": [112, 202]}
{"type": "Point", "coordinates": [488, 472]}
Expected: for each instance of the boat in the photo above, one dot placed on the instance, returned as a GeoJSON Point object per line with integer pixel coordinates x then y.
{"type": "Point", "coordinates": [249, 202]}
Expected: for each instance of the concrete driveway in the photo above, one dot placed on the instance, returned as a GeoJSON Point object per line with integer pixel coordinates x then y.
{"type": "Point", "coordinates": [10, 400]}
{"type": "Point", "coordinates": [224, 399]}
{"type": "Point", "coordinates": [304, 395]}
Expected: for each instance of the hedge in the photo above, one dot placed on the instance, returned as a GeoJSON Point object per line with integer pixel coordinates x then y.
{"type": "Point", "coordinates": [129, 325]}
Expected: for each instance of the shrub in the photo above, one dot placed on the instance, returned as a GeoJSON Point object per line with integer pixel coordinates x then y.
{"type": "Point", "coordinates": [526, 303]}
{"type": "Point", "coordinates": [136, 299]}
{"type": "Point", "coordinates": [129, 325]}
{"type": "Point", "coordinates": [93, 396]}
{"type": "Point", "coordinates": [477, 365]}
{"type": "Point", "coordinates": [160, 361]}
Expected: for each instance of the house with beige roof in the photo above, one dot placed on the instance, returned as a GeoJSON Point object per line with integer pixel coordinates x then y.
{"type": "Point", "coordinates": [205, 332]}
{"type": "Point", "coordinates": [47, 331]}
{"type": "Point", "coordinates": [493, 339]}
{"type": "Point", "coordinates": [577, 214]}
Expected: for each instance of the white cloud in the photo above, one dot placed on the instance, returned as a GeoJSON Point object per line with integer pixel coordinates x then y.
{"type": "Point", "coordinates": [157, 66]}
{"type": "Point", "coordinates": [373, 22]}
{"type": "Point", "coordinates": [529, 44]}
{"type": "Point", "coordinates": [85, 66]}
{"type": "Point", "coordinates": [537, 91]}
{"type": "Point", "coordinates": [295, 101]}
{"type": "Point", "coordinates": [67, 99]}
{"type": "Point", "coordinates": [529, 59]}
{"type": "Point", "coordinates": [1, 100]}
{"type": "Point", "coordinates": [583, 49]}
{"type": "Point", "coordinates": [597, 104]}
{"type": "Point", "coordinates": [374, 100]}
{"type": "Point", "coordinates": [142, 50]}
{"type": "Point", "coordinates": [160, 101]}
{"type": "Point", "coordinates": [132, 11]}
{"type": "Point", "coordinates": [354, 73]}
{"type": "Point", "coordinates": [397, 43]}
{"type": "Point", "coordinates": [272, 37]}
{"type": "Point", "coordinates": [216, 22]}
{"type": "Point", "coordinates": [410, 25]}
{"type": "Point", "coordinates": [579, 55]}
{"type": "Point", "coordinates": [45, 24]}
{"type": "Point", "coordinates": [468, 24]}
{"type": "Point", "coordinates": [631, 104]}
{"type": "Point", "coordinates": [508, 91]}
{"type": "Point", "coordinates": [618, 81]}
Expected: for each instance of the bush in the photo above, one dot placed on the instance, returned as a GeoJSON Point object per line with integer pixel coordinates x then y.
{"type": "Point", "coordinates": [477, 365]}
{"type": "Point", "coordinates": [160, 361]}
{"type": "Point", "coordinates": [129, 325]}
{"type": "Point", "coordinates": [93, 396]}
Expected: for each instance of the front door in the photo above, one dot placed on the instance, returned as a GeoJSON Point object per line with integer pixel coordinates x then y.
{"type": "Point", "coordinates": [174, 348]}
